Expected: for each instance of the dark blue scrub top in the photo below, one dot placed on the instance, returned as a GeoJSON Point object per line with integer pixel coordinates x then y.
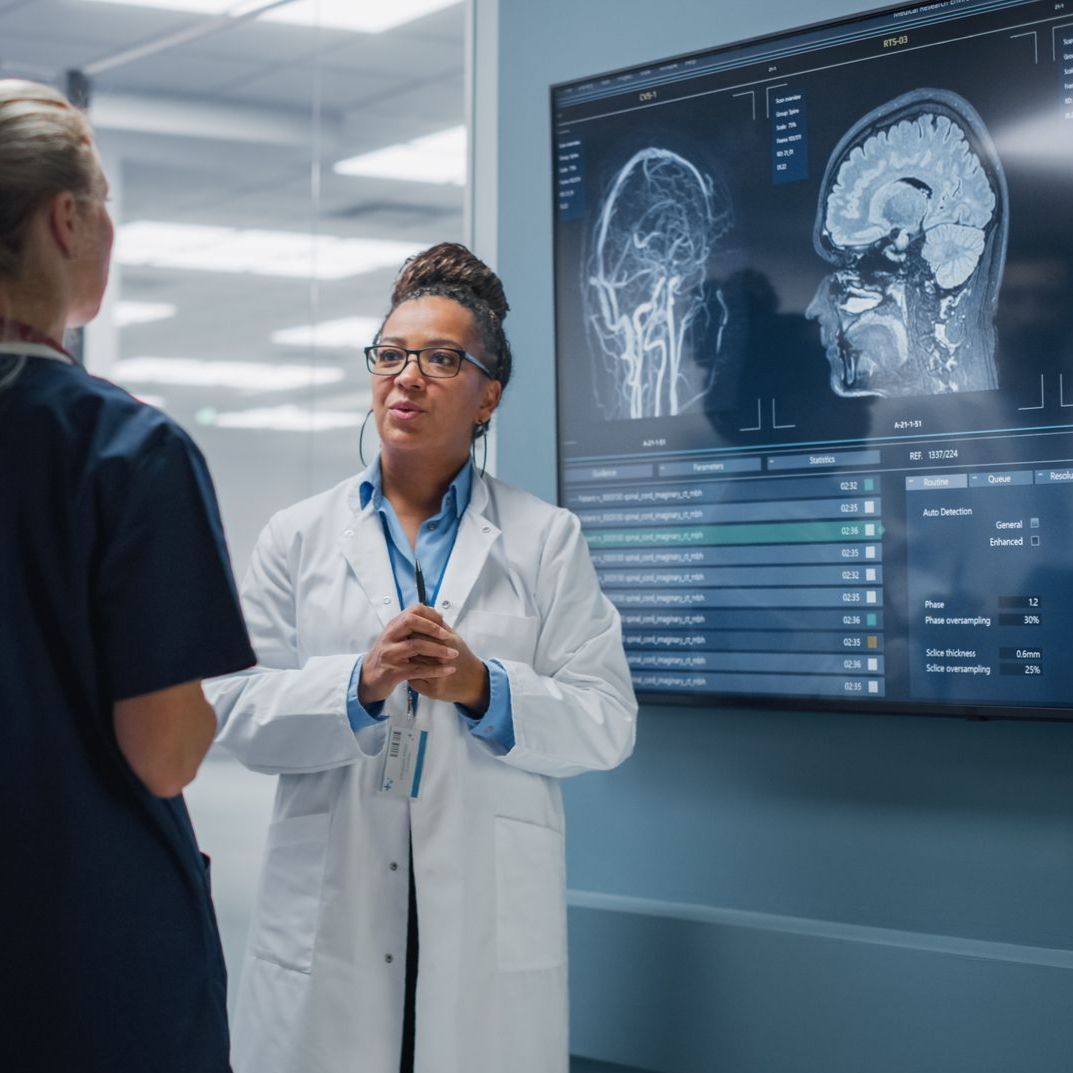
{"type": "Point", "coordinates": [114, 581]}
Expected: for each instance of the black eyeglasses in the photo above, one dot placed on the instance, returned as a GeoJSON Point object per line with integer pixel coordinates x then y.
{"type": "Point", "coordinates": [437, 362]}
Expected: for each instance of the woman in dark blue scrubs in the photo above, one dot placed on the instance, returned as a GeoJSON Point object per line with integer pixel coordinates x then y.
{"type": "Point", "coordinates": [117, 600]}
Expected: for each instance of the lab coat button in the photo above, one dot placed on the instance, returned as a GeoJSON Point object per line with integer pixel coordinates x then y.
{"type": "Point", "coordinates": [387, 599]}
{"type": "Point", "coordinates": [348, 532]}
{"type": "Point", "coordinates": [393, 866]}
{"type": "Point", "coordinates": [445, 604]}
{"type": "Point", "coordinates": [388, 958]}
{"type": "Point", "coordinates": [486, 528]}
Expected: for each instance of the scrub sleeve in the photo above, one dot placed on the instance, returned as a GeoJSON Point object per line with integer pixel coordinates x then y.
{"type": "Point", "coordinates": [170, 611]}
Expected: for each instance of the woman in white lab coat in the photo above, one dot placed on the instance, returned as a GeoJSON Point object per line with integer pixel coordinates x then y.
{"type": "Point", "coordinates": [513, 679]}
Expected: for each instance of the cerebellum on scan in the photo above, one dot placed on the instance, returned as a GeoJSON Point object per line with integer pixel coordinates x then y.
{"type": "Point", "coordinates": [913, 216]}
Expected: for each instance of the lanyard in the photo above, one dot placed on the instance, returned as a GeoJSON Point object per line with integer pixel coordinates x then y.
{"type": "Point", "coordinates": [22, 352]}
{"type": "Point", "coordinates": [35, 350]}
{"type": "Point", "coordinates": [422, 598]}
{"type": "Point", "coordinates": [23, 339]}
{"type": "Point", "coordinates": [419, 575]}
{"type": "Point", "coordinates": [406, 751]}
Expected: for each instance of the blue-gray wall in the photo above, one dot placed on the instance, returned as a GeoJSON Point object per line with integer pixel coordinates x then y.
{"type": "Point", "coordinates": [780, 892]}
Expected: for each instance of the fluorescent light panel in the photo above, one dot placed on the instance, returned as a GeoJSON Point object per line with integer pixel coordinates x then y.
{"type": "Point", "coordinates": [241, 375]}
{"type": "Point", "coordinates": [434, 158]}
{"type": "Point", "coordinates": [287, 418]}
{"type": "Point", "coordinates": [359, 16]}
{"type": "Point", "coordinates": [196, 247]}
{"type": "Point", "coordinates": [128, 312]}
{"type": "Point", "coordinates": [337, 334]}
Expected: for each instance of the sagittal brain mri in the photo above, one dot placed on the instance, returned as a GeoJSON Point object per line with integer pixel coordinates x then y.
{"type": "Point", "coordinates": [645, 271]}
{"type": "Point", "coordinates": [913, 217]}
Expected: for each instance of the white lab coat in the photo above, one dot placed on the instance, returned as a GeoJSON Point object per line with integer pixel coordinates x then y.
{"type": "Point", "coordinates": [322, 986]}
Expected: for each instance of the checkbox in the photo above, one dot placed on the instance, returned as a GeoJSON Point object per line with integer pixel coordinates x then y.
{"type": "Point", "coordinates": [872, 642]}
{"type": "Point", "coordinates": [869, 484]}
{"type": "Point", "coordinates": [1035, 541]}
{"type": "Point", "coordinates": [872, 620]}
{"type": "Point", "coordinates": [869, 506]}
{"type": "Point", "coordinates": [1033, 523]}
{"type": "Point", "coordinates": [870, 574]}
{"type": "Point", "coordinates": [870, 551]}
{"type": "Point", "coordinates": [869, 529]}
{"type": "Point", "coordinates": [873, 686]}
{"type": "Point", "coordinates": [873, 663]}
{"type": "Point", "coordinates": [870, 596]}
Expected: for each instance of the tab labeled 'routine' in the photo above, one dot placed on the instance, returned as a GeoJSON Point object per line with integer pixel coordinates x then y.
{"type": "Point", "coordinates": [937, 482]}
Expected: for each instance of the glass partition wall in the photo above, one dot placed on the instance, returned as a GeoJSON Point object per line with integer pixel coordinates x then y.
{"type": "Point", "coordinates": [271, 165]}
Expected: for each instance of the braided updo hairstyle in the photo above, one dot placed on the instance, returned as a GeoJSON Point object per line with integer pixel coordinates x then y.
{"type": "Point", "coordinates": [450, 270]}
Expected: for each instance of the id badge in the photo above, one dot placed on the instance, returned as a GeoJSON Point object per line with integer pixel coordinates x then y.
{"type": "Point", "coordinates": [404, 761]}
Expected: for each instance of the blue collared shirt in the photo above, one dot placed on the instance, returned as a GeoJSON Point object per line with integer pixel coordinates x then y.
{"type": "Point", "coordinates": [435, 542]}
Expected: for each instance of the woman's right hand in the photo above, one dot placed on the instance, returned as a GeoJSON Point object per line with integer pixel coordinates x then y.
{"type": "Point", "coordinates": [410, 646]}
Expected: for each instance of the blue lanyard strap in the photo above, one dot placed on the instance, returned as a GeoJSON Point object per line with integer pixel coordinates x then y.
{"type": "Point", "coordinates": [419, 577]}
{"type": "Point", "coordinates": [431, 602]}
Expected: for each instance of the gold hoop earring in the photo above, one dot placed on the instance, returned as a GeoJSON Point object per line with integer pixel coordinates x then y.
{"type": "Point", "coordinates": [480, 432]}
{"type": "Point", "coordinates": [361, 438]}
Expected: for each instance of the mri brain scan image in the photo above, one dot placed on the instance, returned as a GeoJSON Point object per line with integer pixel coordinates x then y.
{"type": "Point", "coordinates": [913, 217]}
{"type": "Point", "coordinates": [658, 225]}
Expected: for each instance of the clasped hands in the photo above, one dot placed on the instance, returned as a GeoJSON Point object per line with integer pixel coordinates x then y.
{"type": "Point", "coordinates": [418, 647]}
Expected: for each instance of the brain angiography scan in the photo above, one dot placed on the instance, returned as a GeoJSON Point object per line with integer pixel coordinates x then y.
{"type": "Point", "coordinates": [645, 274]}
{"type": "Point", "coordinates": [913, 215]}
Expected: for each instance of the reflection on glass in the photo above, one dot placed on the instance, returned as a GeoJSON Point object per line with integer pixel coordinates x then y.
{"type": "Point", "coordinates": [249, 271]}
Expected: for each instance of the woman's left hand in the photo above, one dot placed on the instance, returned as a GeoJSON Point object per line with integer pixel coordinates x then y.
{"type": "Point", "coordinates": [468, 686]}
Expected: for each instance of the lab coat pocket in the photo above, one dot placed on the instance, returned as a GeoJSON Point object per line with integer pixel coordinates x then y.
{"type": "Point", "coordinates": [495, 636]}
{"type": "Point", "coordinates": [530, 896]}
{"type": "Point", "coordinates": [288, 904]}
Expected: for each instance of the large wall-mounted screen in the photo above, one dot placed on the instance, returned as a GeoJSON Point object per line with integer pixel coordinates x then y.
{"type": "Point", "coordinates": [814, 333]}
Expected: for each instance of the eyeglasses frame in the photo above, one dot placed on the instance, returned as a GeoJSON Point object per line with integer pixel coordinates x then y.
{"type": "Point", "coordinates": [415, 355]}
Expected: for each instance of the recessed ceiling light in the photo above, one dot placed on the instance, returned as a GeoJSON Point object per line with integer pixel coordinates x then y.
{"type": "Point", "coordinates": [204, 7]}
{"type": "Point", "coordinates": [287, 418]}
{"type": "Point", "coordinates": [243, 375]}
{"type": "Point", "coordinates": [259, 253]}
{"type": "Point", "coordinates": [360, 17]}
{"type": "Point", "coordinates": [345, 333]}
{"type": "Point", "coordinates": [128, 312]}
{"type": "Point", "coordinates": [434, 158]}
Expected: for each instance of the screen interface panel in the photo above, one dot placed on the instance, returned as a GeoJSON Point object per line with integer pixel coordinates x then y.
{"type": "Point", "coordinates": [814, 335]}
